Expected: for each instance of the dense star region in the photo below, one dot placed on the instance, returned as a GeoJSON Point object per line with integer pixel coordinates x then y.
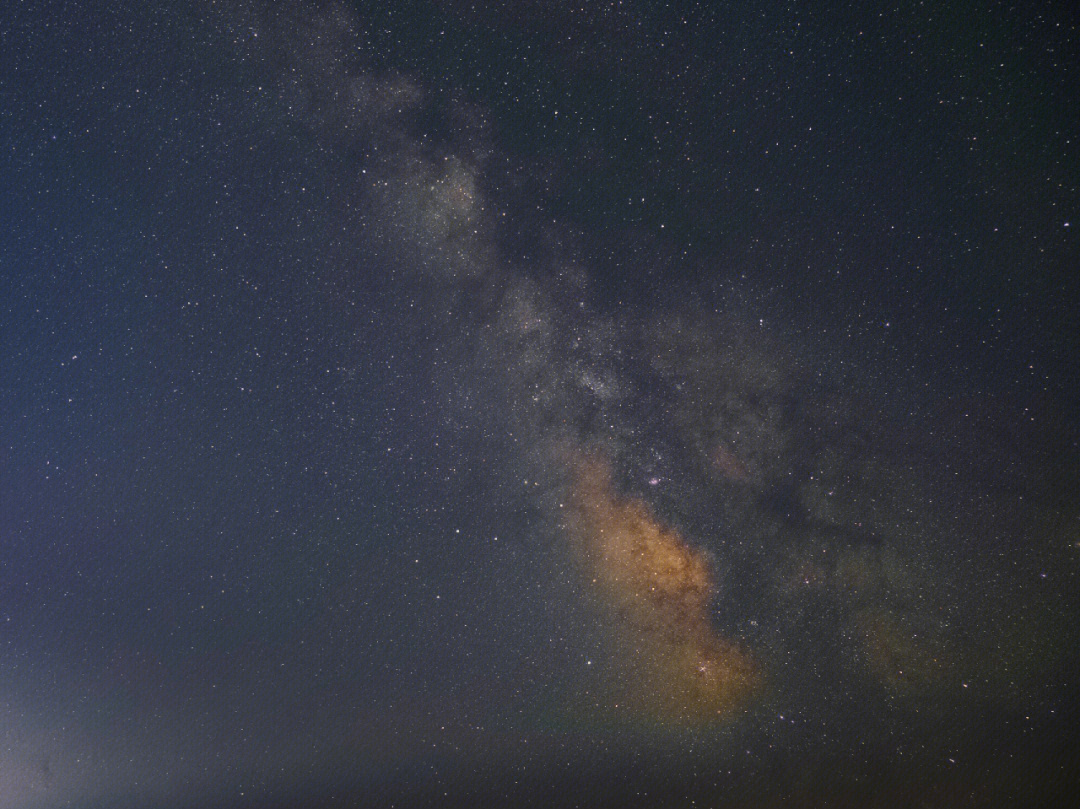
{"type": "Point", "coordinates": [632, 404]}
{"type": "Point", "coordinates": [660, 591]}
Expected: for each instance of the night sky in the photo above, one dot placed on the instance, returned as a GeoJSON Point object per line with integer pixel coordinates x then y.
{"type": "Point", "coordinates": [536, 403]}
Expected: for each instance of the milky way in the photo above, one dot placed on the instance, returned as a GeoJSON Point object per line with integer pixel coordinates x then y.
{"type": "Point", "coordinates": [657, 591]}
{"type": "Point", "coordinates": [534, 403]}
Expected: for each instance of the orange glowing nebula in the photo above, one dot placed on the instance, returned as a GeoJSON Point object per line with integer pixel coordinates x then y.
{"type": "Point", "coordinates": [656, 590]}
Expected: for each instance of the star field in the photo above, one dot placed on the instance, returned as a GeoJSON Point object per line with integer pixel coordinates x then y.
{"type": "Point", "coordinates": [538, 404]}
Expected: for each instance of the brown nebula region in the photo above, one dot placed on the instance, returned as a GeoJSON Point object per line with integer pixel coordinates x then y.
{"type": "Point", "coordinates": [671, 664]}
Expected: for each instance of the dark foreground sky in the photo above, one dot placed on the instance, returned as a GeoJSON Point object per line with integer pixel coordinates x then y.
{"type": "Point", "coordinates": [624, 404]}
